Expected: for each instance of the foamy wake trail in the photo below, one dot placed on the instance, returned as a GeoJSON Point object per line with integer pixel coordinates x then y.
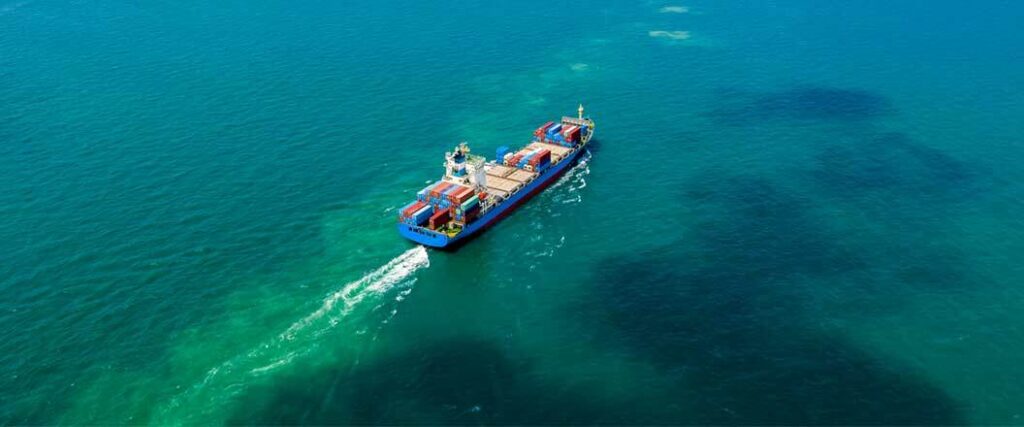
{"type": "Point", "coordinates": [576, 179]}
{"type": "Point", "coordinates": [231, 377]}
{"type": "Point", "coordinates": [339, 304]}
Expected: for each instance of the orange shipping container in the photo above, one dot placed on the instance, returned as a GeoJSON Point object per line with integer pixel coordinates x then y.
{"type": "Point", "coordinates": [460, 196]}
{"type": "Point", "coordinates": [438, 189]}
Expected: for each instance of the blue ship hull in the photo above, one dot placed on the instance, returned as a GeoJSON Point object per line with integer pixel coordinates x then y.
{"type": "Point", "coordinates": [431, 238]}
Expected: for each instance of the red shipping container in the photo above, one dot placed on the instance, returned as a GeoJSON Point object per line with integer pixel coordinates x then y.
{"type": "Point", "coordinates": [455, 189]}
{"type": "Point", "coordinates": [460, 196]}
{"type": "Point", "coordinates": [438, 189]}
{"type": "Point", "coordinates": [440, 218]}
{"type": "Point", "coordinates": [540, 156]}
{"type": "Point", "coordinates": [540, 131]}
{"type": "Point", "coordinates": [413, 209]}
{"type": "Point", "coordinates": [572, 134]}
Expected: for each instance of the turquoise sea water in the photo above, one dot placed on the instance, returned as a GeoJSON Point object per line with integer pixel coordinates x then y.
{"type": "Point", "coordinates": [796, 212]}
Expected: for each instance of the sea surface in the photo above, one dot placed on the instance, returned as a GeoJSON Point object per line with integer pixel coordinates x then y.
{"type": "Point", "coordinates": [796, 211]}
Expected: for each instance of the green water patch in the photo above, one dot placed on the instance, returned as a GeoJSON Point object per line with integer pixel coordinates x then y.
{"type": "Point", "coordinates": [271, 324]}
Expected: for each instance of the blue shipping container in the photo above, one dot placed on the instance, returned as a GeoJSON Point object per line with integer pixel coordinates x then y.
{"type": "Point", "coordinates": [501, 152]}
{"type": "Point", "coordinates": [423, 215]}
{"type": "Point", "coordinates": [525, 159]}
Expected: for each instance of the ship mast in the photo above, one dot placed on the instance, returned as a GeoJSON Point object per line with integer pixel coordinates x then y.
{"type": "Point", "coordinates": [581, 111]}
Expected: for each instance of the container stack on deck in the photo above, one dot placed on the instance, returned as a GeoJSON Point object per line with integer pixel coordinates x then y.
{"type": "Point", "coordinates": [531, 159]}
{"type": "Point", "coordinates": [567, 135]}
{"type": "Point", "coordinates": [441, 203]}
{"type": "Point", "coordinates": [440, 218]}
{"type": "Point", "coordinates": [444, 203]}
{"type": "Point", "coordinates": [468, 211]}
{"type": "Point", "coordinates": [415, 213]}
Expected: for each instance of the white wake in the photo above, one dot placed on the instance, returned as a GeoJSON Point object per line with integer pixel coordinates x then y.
{"type": "Point", "coordinates": [231, 377]}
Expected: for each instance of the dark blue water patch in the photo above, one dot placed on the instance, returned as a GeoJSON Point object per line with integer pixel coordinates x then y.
{"type": "Point", "coordinates": [747, 348]}
{"type": "Point", "coordinates": [894, 162]}
{"type": "Point", "coordinates": [758, 228]}
{"type": "Point", "coordinates": [739, 107]}
{"type": "Point", "coordinates": [453, 381]}
{"type": "Point", "coordinates": [727, 313]}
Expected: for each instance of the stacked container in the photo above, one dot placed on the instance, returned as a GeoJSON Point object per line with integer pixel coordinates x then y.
{"type": "Point", "coordinates": [467, 211]}
{"type": "Point", "coordinates": [514, 159]}
{"type": "Point", "coordinates": [539, 161]}
{"type": "Point", "coordinates": [559, 134]}
{"type": "Point", "coordinates": [459, 195]}
{"type": "Point", "coordinates": [543, 129]}
{"type": "Point", "coordinates": [436, 190]}
{"type": "Point", "coordinates": [571, 134]}
{"type": "Point", "coordinates": [440, 218]}
{"type": "Point", "coordinates": [415, 213]}
{"type": "Point", "coordinates": [525, 159]}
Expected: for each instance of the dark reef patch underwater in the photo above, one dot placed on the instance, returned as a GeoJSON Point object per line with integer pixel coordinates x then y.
{"type": "Point", "coordinates": [740, 107]}
{"type": "Point", "coordinates": [698, 315]}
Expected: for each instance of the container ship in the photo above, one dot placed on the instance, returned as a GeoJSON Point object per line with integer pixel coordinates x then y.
{"type": "Point", "coordinates": [475, 193]}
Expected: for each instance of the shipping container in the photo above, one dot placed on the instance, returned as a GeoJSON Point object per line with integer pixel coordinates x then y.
{"type": "Point", "coordinates": [440, 218]}
{"type": "Point", "coordinates": [472, 201]}
{"type": "Point", "coordinates": [571, 134]}
{"type": "Point", "coordinates": [472, 214]}
{"type": "Point", "coordinates": [524, 160]}
{"type": "Point", "coordinates": [542, 155]}
{"type": "Point", "coordinates": [500, 153]}
{"type": "Point", "coordinates": [413, 208]}
{"type": "Point", "coordinates": [460, 196]}
{"type": "Point", "coordinates": [540, 131]}
{"type": "Point", "coordinates": [447, 193]}
{"type": "Point", "coordinates": [435, 192]}
{"type": "Point", "coordinates": [422, 215]}
{"type": "Point", "coordinates": [514, 160]}
{"type": "Point", "coordinates": [553, 130]}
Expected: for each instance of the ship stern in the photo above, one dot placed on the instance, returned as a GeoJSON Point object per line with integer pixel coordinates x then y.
{"type": "Point", "coordinates": [424, 236]}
